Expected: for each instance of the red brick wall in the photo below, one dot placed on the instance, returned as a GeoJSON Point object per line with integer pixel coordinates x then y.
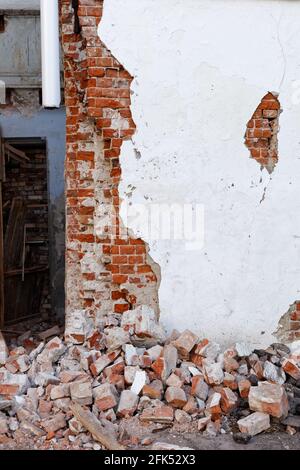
{"type": "Point", "coordinates": [294, 321]}
{"type": "Point", "coordinates": [262, 130]}
{"type": "Point", "coordinates": [104, 272]}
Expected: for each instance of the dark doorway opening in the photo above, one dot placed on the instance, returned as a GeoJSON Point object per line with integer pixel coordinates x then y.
{"type": "Point", "coordinates": [25, 231]}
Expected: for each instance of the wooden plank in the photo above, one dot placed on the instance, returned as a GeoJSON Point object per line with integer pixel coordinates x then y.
{"type": "Point", "coordinates": [15, 153]}
{"type": "Point", "coordinates": [14, 235]}
{"type": "Point", "coordinates": [93, 425]}
{"type": "Point", "coordinates": [34, 269]}
{"type": "Point", "coordinates": [2, 178]}
{"type": "Point", "coordinates": [1, 263]}
{"type": "Point", "coordinates": [23, 299]}
{"type": "Point", "coordinates": [2, 160]}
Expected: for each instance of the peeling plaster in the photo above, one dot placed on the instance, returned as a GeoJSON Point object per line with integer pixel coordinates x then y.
{"type": "Point", "coordinates": [193, 92]}
{"type": "Point", "coordinates": [261, 136]}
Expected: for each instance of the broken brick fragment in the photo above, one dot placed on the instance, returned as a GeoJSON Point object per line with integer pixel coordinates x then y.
{"type": "Point", "coordinates": [185, 343]}
{"type": "Point", "coordinates": [200, 388]}
{"type": "Point", "coordinates": [176, 397]}
{"type": "Point", "coordinates": [244, 387]}
{"type": "Point", "coordinates": [81, 392]}
{"type": "Point", "coordinates": [254, 424]}
{"type": "Point", "coordinates": [153, 390]}
{"type": "Point", "coordinates": [269, 398]}
{"type": "Point", "coordinates": [100, 364]}
{"type": "Point", "coordinates": [128, 404]}
{"type": "Point", "coordinates": [52, 425]}
{"type": "Point", "coordinates": [291, 368]}
{"type": "Point", "coordinates": [213, 405]}
{"type": "Point", "coordinates": [159, 414]}
{"type": "Point", "coordinates": [229, 400]}
{"type": "Point", "coordinates": [106, 397]}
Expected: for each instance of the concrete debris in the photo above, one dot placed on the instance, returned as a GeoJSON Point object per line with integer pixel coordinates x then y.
{"type": "Point", "coordinates": [128, 404]}
{"type": "Point", "coordinates": [3, 424]}
{"type": "Point", "coordinates": [291, 368]}
{"type": "Point", "coordinates": [81, 392]}
{"type": "Point", "coordinates": [141, 323]}
{"type": "Point", "coordinates": [100, 364]}
{"type": "Point", "coordinates": [202, 423]}
{"type": "Point", "coordinates": [243, 349]}
{"type": "Point", "coordinates": [229, 400]}
{"type": "Point", "coordinates": [174, 381]}
{"type": "Point", "coordinates": [213, 405]}
{"type": "Point", "coordinates": [154, 390]}
{"type": "Point", "coordinates": [131, 355]}
{"type": "Point", "coordinates": [182, 417]}
{"type": "Point", "coordinates": [129, 374]}
{"type": "Point", "coordinates": [158, 414]}
{"type": "Point", "coordinates": [52, 351]}
{"type": "Point", "coordinates": [106, 397]}
{"type": "Point", "coordinates": [273, 373]}
{"type": "Point", "coordinates": [200, 388]}
{"type": "Point", "coordinates": [269, 398]}
{"type": "Point", "coordinates": [3, 350]}
{"type": "Point", "coordinates": [185, 343]}
{"type": "Point", "coordinates": [244, 386]}
{"type": "Point", "coordinates": [213, 373]}
{"type": "Point", "coordinates": [254, 423]}
{"type": "Point", "coordinates": [207, 349]}
{"type": "Point", "coordinates": [139, 382]}
{"type": "Point", "coordinates": [116, 337]}
{"type": "Point", "coordinates": [166, 363]}
{"type": "Point", "coordinates": [176, 397]}
{"type": "Point", "coordinates": [54, 424]}
{"type": "Point", "coordinates": [60, 391]}
{"type": "Point", "coordinates": [127, 369]}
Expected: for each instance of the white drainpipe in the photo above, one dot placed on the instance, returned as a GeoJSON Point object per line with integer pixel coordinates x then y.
{"type": "Point", "coordinates": [50, 53]}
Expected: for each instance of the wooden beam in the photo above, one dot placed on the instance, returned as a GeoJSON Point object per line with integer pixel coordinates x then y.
{"type": "Point", "coordinates": [21, 156]}
{"type": "Point", "coordinates": [1, 263]}
{"type": "Point", "coordinates": [32, 270]}
{"type": "Point", "coordinates": [2, 161]}
{"type": "Point", "coordinates": [14, 235]}
{"type": "Point", "coordinates": [2, 178]}
{"type": "Point", "coordinates": [93, 425]}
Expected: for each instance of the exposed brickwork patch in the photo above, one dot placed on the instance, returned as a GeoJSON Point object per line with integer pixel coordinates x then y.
{"type": "Point", "coordinates": [262, 130]}
{"type": "Point", "coordinates": [289, 325]}
{"type": "Point", "coordinates": [104, 273]}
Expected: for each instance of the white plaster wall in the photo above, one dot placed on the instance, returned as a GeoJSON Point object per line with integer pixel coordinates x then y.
{"type": "Point", "coordinates": [201, 68]}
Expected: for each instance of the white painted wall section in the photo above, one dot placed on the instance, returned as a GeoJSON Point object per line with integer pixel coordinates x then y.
{"type": "Point", "coordinates": [200, 69]}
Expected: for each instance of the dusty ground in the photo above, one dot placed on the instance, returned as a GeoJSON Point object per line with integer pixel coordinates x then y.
{"type": "Point", "coordinates": [272, 441]}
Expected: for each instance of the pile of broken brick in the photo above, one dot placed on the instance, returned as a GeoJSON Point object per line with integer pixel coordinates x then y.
{"type": "Point", "coordinates": [127, 368]}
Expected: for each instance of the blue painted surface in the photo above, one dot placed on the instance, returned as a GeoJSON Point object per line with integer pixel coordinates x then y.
{"type": "Point", "coordinates": [50, 125]}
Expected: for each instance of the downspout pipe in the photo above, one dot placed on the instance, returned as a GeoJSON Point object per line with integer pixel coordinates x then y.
{"type": "Point", "coordinates": [50, 53]}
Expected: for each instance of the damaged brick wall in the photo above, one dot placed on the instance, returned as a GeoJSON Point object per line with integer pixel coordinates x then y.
{"type": "Point", "coordinates": [261, 134]}
{"type": "Point", "coordinates": [105, 272]}
{"type": "Point", "coordinates": [289, 324]}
